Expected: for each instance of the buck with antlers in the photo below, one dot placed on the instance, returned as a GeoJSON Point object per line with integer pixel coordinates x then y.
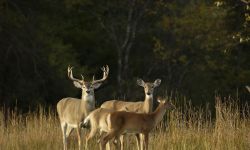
{"type": "Point", "coordinates": [119, 122]}
{"type": "Point", "coordinates": [145, 106]}
{"type": "Point", "coordinates": [72, 111]}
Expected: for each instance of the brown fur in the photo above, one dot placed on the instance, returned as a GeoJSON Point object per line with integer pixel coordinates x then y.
{"type": "Point", "coordinates": [71, 111]}
{"type": "Point", "coordinates": [130, 122]}
{"type": "Point", "coordinates": [145, 106]}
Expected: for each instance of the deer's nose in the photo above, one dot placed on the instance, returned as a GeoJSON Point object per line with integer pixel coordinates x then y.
{"type": "Point", "coordinates": [88, 92]}
{"type": "Point", "coordinates": [148, 93]}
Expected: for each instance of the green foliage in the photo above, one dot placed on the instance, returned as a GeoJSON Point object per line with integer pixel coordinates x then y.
{"type": "Point", "coordinates": [196, 47]}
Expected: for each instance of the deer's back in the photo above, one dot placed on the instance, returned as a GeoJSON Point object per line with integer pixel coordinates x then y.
{"type": "Point", "coordinates": [131, 122]}
{"type": "Point", "coordinates": [117, 105]}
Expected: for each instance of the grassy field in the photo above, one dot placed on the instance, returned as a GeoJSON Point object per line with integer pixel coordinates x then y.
{"type": "Point", "coordinates": [186, 128]}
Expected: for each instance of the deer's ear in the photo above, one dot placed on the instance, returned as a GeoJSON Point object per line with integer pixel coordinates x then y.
{"type": "Point", "coordinates": [97, 85]}
{"type": "Point", "coordinates": [140, 82]}
{"type": "Point", "coordinates": [157, 82]}
{"type": "Point", "coordinates": [77, 84]}
{"type": "Point", "coordinates": [160, 99]}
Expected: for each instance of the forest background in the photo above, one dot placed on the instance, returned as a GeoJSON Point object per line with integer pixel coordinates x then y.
{"type": "Point", "coordinates": [199, 48]}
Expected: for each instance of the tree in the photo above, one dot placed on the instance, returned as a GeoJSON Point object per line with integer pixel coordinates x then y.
{"type": "Point", "coordinates": [195, 46]}
{"type": "Point", "coordinates": [120, 21]}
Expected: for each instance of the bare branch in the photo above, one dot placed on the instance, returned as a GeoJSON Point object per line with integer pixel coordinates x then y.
{"type": "Point", "coordinates": [132, 32]}
{"type": "Point", "coordinates": [128, 31]}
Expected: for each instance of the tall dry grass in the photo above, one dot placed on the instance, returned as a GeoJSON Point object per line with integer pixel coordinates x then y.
{"type": "Point", "coordinates": [186, 128]}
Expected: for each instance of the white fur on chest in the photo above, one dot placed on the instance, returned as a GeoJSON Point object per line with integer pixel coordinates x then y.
{"type": "Point", "coordinates": [149, 96]}
{"type": "Point", "coordinates": [89, 102]}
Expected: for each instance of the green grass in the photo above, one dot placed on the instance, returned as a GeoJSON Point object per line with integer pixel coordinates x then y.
{"type": "Point", "coordinates": [186, 128]}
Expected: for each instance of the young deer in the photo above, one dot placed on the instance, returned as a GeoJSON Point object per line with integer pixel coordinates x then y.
{"type": "Point", "coordinates": [72, 111]}
{"type": "Point", "coordinates": [120, 122]}
{"type": "Point", "coordinates": [141, 107]}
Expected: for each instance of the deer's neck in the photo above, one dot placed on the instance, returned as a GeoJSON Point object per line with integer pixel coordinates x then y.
{"type": "Point", "coordinates": [148, 104]}
{"type": "Point", "coordinates": [87, 103]}
{"type": "Point", "coordinates": [159, 113]}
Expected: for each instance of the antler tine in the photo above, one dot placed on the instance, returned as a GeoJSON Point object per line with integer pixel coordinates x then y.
{"type": "Point", "coordinates": [82, 77]}
{"type": "Point", "coordinates": [248, 88]}
{"type": "Point", "coordinates": [70, 74]}
{"type": "Point", "coordinates": [245, 1]}
{"type": "Point", "coordinates": [105, 70]}
{"type": "Point", "coordinates": [93, 78]}
{"type": "Point", "coordinates": [105, 74]}
{"type": "Point", "coordinates": [69, 71]}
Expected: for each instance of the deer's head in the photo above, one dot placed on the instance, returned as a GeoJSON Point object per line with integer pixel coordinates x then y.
{"type": "Point", "coordinates": [149, 86]}
{"type": "Point", "coordinates": [88, 87]}
{"type": "Point", "coordinates": [166, 104]}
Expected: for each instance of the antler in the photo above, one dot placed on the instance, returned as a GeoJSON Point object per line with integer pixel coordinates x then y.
{"type": "Point", "coordinates": [70, 75]}
{"type": "Point", "coordinates": [245, 1]}
{"type": "Point", "coordinates": [248, 88]}
{"type": "Point", "coordinates": [105, 74]}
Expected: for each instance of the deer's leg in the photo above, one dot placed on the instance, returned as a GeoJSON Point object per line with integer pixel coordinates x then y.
{"type": "Point", "coordinates": [90, 136]}
{"type": "Point", "coordinates": [102, 134]}
{"type": "Point", "coordinates": [142, 141]}
{"type": "Point", "coordinates": [146, 141]}
{"type": "Point", "coordinates": [107, 138]}
{"type": "Point", "coordinates": [64, 128]}
{"type": "Point", "coordinates": [138, 143]}
{"type": "Point", "coordinates": [121, 138]}
{"type": "Point", "coordinates": [108, 146]}
{"type": "Point", "coordinates": [119, 145]}
{"type": "Point", "coordinates": [79, 136]}
{"type": "Point", "coordinates": [68, 131]}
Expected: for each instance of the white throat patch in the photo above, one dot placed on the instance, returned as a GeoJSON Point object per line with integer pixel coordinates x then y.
{"type": "Point", "coordinates": [149, 96]}
{"type": "Point", "coordinates": [88, 98]}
